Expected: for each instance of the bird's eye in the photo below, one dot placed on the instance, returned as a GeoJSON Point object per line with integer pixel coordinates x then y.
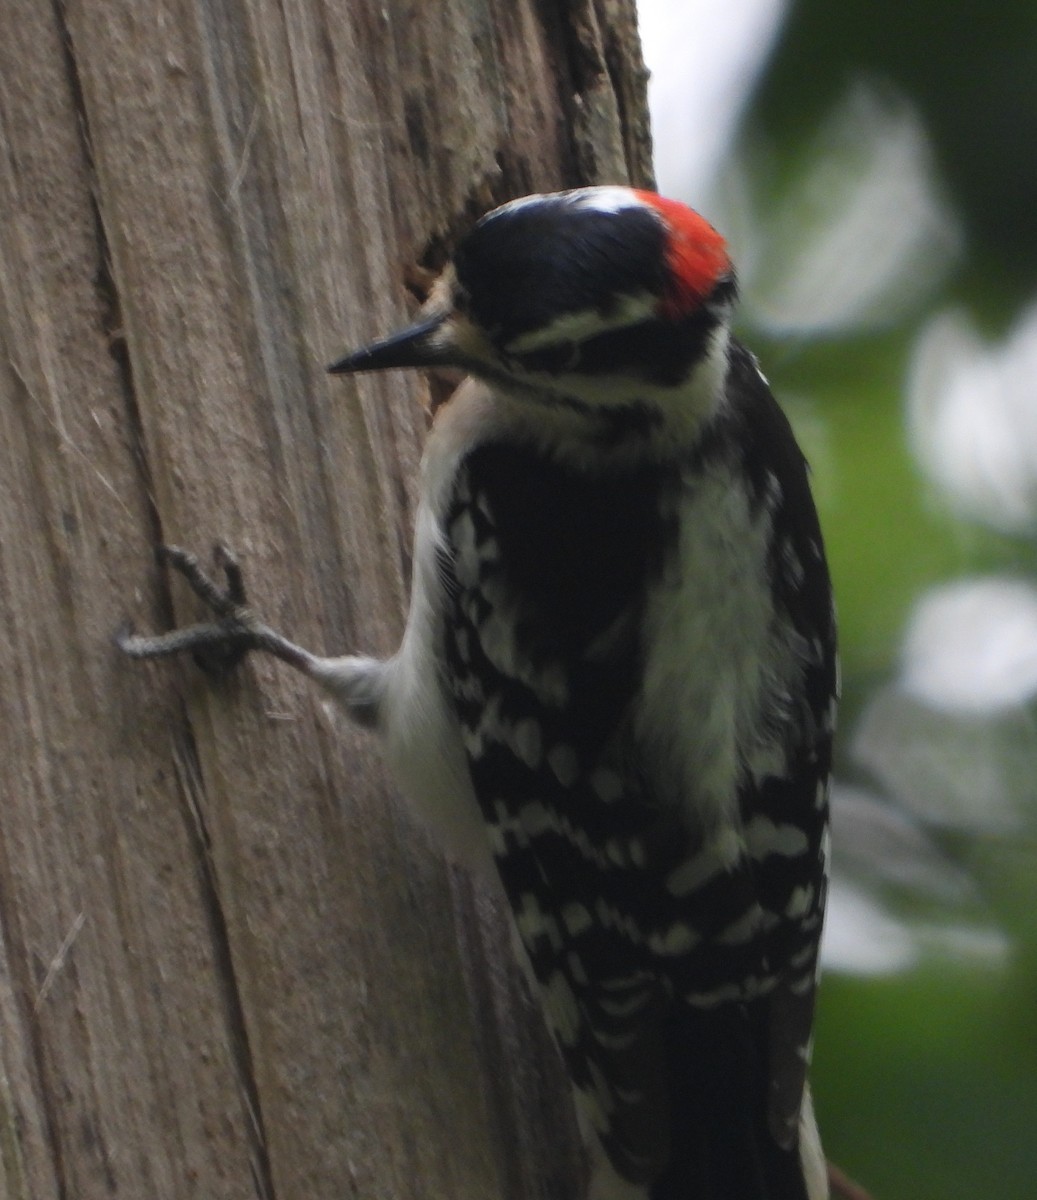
{"type": "Point", "coordinates": [461, 300]}
{"type": "Point", "coordinates": [555, 360]}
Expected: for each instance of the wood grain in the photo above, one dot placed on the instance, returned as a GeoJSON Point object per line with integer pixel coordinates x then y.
{"type": "Point", "coordinates": [230, 964]}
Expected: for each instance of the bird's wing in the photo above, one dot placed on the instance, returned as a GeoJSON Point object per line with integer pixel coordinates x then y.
{"type": "Point", "coordinates": [663, 864]}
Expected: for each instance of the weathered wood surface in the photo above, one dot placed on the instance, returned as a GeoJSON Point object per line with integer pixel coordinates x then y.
{"type": "Point", "coordinates": [230, 965]}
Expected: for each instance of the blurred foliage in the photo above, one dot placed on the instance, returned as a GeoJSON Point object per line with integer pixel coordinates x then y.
{"type": "Point", "coordinates": [972, 72]}
{"type": "Point", "coordinates": [926, 1078]}
{"type": "Point", "coordinates": [924, 1084]}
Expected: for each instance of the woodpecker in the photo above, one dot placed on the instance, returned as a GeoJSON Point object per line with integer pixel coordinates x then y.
{"type": "Point", "coordinates": [617, 683]}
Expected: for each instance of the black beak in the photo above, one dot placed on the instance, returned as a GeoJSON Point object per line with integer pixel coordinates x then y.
{"type": "Point", "coordinates": [416, 346]}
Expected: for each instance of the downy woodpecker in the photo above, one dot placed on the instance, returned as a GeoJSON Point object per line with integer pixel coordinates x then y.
{"type": "Point", "coordinates": [618, 677]}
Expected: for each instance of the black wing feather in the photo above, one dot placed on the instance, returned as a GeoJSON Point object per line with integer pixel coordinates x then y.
{"type": "Point", "coordinates": [551, 568]}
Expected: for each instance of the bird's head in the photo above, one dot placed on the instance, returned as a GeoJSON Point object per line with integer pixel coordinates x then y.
{"type": "Point", "coordinates": [600, 297]}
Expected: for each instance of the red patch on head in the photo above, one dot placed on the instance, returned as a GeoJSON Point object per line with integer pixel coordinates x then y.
{"type": "Point", "coordinates": [695, 253]}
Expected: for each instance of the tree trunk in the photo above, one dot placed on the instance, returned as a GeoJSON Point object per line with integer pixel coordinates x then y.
{"type": "Point", "coordinates": [230, 964]}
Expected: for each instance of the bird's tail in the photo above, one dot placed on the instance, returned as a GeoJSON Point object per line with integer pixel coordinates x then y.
{"type": "Point", "coordinates": [721, 1145]}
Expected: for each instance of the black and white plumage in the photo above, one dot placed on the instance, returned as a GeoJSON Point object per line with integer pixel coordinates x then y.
{"type": "Point", "coordinates": [618, 678]}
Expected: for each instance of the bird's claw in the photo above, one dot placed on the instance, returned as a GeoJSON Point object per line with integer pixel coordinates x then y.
{"type": "Point", "coordinates": [217, 646]}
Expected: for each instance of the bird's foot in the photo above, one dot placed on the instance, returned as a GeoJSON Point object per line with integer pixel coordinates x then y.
{"type": "Point", "coordinates": [217, 646]}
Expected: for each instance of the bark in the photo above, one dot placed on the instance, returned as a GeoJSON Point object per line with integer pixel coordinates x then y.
{"type": "Point", "coordinates": [230, 964]}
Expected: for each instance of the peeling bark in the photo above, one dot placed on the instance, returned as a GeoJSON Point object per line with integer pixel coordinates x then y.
{"type": "Point", "coordinates": [230, 964]}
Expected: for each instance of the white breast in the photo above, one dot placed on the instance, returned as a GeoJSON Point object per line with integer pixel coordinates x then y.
{"type": "Point", "coordinates": [422, 737]}
{"type": "Point", "coordinates": [717, 658]}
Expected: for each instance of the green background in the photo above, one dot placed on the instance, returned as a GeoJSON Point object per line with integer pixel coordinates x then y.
{"type": "Point", "coordinates": [926, 1077]}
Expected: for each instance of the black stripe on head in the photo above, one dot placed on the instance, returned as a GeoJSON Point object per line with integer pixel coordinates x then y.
{"type": "Point", "coordinates": [524, 266]}
{"type": "Point", "coordinates": [659, 351]}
